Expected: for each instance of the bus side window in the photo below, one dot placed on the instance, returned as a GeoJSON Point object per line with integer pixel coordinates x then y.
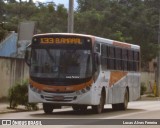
{"type": "Point", "coordinates": [97, 47]}
{"type": "Point", "coordinates": [111, 58]}
{"type": "Point", "coordinates": [130, 60]}
{"type": "Point", "coordinates": [118, 57]}
{"type": "Point", "coordinates": [104, 56]}
{"type": "Point", "coordinates": [124, 59]}
{"type": "Point", "coordinates": [136, 61]}
{"type": "Point", "coordinates": [96, 62]}
{"type": "Point", "coordinates": [104, 51]}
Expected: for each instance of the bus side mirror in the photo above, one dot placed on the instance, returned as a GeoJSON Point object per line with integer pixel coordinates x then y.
{"type": "Point", "coordinates": [28, 56]}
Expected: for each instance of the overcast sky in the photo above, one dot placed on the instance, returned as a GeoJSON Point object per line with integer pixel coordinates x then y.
{"type": "Point", "coordinates": [65, 2]}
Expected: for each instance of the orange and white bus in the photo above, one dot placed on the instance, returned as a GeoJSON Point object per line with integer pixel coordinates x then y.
{"type": "Point", "coordinates": [82, 70]}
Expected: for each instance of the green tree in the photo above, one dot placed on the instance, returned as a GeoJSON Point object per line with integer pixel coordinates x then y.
{"type": "Point", "coordinates": [132, 21]}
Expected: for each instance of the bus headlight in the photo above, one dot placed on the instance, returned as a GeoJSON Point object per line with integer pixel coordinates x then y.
{"type": "Point", "coordinates": [88, 88]}
{"type": "Point", "coordinates": [35, 89]}
{"type": "Point", "coordinates": [84, 90]}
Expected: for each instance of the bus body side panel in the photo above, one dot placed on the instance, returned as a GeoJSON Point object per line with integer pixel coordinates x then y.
{"type": "Point", "coordinates": [117, 90]}
{"type": "Point", "coordinates": [133, 83]}
{"type": "Point", "coordinates": [101, 82]}
{"type": "Point", "coordinates": [117, 87]}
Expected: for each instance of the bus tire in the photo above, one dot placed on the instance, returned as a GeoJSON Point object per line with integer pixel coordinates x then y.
{"type": "Point", "coordinates": [48, 108]}
{"type": "Point", "coordinates": [99, 108]}
{"type": "Point", "coordinates": [124, 105]}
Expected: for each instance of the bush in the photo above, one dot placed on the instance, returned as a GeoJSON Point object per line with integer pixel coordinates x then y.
{"type": "Point", "coordinates": [3, 33]}
{"type": "Point", "coordinates": [143, 88]}
{"type": "Point", "coordinates": [18, 95]}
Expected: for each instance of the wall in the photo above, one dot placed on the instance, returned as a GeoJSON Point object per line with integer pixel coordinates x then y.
{"type": "Point", "coordinates": [12, 70]}
{"type": "Point", "coordinates": [148, 78]}
{"type": "Point", "coordinates": [152, 65]}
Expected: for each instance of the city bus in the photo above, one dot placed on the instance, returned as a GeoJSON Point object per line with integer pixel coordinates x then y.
{"type": "Point", "coordinates": [82, 71]}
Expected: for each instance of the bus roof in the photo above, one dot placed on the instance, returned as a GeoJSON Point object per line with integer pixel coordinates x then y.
{"type": "Point", "coordinates": [71, 34]}
{"type": "Point", "coordinates": [117, 43]}
{"type": "Point", "coordinates": [99, 39]}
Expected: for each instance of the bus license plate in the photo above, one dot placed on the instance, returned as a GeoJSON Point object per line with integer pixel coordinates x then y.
{"type": "Point", "coordinates": [58, 98]}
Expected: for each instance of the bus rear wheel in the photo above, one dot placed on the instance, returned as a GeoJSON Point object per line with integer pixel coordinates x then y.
{"type": "Point", "coordinates": [124, 105]}
{"type": "Point", "coordinates": [48, 108]}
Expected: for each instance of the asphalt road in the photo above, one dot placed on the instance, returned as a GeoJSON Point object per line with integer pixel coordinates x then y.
{"type": "Point", "coordinates": [140, 111]}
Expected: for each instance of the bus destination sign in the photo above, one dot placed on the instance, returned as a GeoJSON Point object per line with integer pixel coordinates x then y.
{"type": "Point", "coordinates": [62, 40]}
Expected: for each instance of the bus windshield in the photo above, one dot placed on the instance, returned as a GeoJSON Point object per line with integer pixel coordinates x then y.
{"type": "Point", "coordinates": [61, 63]}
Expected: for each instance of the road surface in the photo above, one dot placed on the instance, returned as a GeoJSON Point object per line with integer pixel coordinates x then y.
{"type": "Point", "coordinates": [136, 110]}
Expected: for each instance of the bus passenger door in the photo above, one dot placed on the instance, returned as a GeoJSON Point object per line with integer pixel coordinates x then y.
{"type": "Point", "coordinates": [96, 65]}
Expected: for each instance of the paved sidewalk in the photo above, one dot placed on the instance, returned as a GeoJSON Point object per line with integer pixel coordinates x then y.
{"type": "Point", "coordinates": [149, 97]}
{"type": "Point", "coordinates": [4, 106]}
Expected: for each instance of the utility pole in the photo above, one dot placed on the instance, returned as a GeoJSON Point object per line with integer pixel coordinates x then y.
{"type": "Point", "coordinates": [158, 62]}
{"type": "Point", "coordinates": [71, 17]}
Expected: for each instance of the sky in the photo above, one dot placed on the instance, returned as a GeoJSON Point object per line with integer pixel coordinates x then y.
{"type": "Point", "coordinates": [65, 2]}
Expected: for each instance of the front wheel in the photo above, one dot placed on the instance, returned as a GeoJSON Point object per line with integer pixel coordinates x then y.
{"type": "Point", "coordinates": [48, 108]}
{"type": "Point", "coordinates": [99, 108]}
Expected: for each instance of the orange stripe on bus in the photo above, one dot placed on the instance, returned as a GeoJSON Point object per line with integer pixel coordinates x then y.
{"type": "Point", "coordinates": [60, 88]}
{"type": "Point", "coordinates": [124, 45]}
{"type": "Point", "coordinates": [115, 76]}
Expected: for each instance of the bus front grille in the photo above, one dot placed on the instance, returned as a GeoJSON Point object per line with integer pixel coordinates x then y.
{"type": "Point", "coordinates": [57, 92]}
{"type": "Point", "coordinates": [59, 98]}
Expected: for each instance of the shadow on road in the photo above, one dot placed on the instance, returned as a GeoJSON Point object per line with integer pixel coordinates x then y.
{"type": "Point", "coordinates": [66, 114]}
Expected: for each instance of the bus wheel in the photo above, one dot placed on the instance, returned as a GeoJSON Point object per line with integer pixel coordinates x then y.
{"type": "Point", "coordinates": [79, 108]}
{"type": "Point", "coordinates": [124, 105]}
{"type": "Point", "coordinates": [48, 108]}
{"type": "Point", "coordinates": [99, 108]}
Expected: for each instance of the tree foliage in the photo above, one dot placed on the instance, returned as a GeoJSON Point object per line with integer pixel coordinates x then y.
{"type": "Point", "coordinates": [18, 95]}
{"type": "Point", "coordinates": [132, 21]}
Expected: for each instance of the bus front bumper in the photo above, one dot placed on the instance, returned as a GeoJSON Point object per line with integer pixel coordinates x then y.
{"type": "Point", "coordinates": [83, 97]}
